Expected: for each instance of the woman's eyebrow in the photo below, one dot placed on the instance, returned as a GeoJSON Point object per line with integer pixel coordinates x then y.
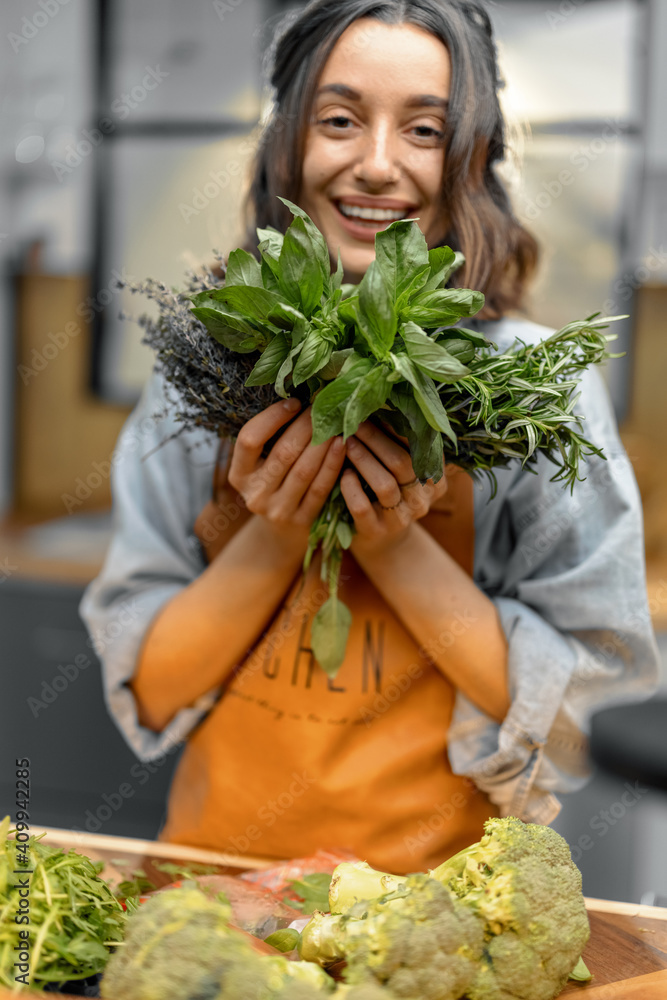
{"type": "Point", "coordinates": [414, 101]}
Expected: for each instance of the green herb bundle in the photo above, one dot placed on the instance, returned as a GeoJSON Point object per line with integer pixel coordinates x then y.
{"type": "Point", "coordinates": [392, 348]}
{"type": "Point", "coordinates": [73, 918]}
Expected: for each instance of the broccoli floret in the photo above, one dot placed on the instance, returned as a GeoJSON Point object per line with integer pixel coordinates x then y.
{"type": "Point", "coordinates": [354, 881]}
{"type": "Point", "coordinates": [179, 945]}
{"type": "Point", "coordinates": [418, 942]}
{"type": "Point", "coordinates": [521, 880]}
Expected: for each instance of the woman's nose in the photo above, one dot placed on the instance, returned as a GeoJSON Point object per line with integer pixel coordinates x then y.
{"type": "Point", "coordinates": [377, 164]}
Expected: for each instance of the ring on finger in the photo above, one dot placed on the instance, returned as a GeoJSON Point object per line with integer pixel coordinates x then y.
{"type": "Point", "coordinates": [394, 506]}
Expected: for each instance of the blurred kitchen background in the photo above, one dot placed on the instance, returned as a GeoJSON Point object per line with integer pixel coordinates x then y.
{"type": "Point", "coordinates": [126, 129]}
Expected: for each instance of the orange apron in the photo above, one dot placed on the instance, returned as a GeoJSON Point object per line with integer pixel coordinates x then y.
{"type": "Point", "coordinates": [289, 761]}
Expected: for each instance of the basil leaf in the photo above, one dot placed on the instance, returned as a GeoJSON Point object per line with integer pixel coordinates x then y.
{"type": "Point", "coordinates": [371, 392]}
{"type": "Point", "coordinates": [286, 316]}
{"type": "Point", "coordinates": [438, 307]}
{"type": "Point", "coordinates": [376, 315]}
{"type": "Point", "coordinates": [218, 325]}
{"type": "Point", "coordinates": [270, 242]}
{"type": "Point", "coordinates": [431, 357]}
{"type": "Point", "coordinates": [300, 276]}
{"type": "Point", "coordinates": [243, 269]}
{"type": "Point", "coordinates": [315, 353]}
{"type": "Point", "coordinates": [253, 303]}
{"type": "Point", "coordinates": [286, 369]}
{"type": "Point", "coordinates": [328, 634]}
{"type": "Point", "coordinates": [400, 251]}
{"type": "Point", "coordinates": [426, 394]}
{"type": "Point", "coordinates": [459, 332]}
{"type": "Point", "coordinates": [329, 405]}
{"type": "Point", "coordinates": [337, 278]}
{"type": "Point", "coordinates": [426, 448]}
{"type": "Point", "coordinates": [463, 350]}
{"type": "Point", "coordinates": [269, 279]}
{"type": "Point", "coordinates": [268, 366]}
{"type": "Point", "coordinates": [285, 939]}
{"type": "Point", "coordinates": [335, 363]}
{"type": "Point", "coordinates": [348, 309]}
{"type": "Point", "coordinates": [443, 261]}
{"type": "Point", "coordinates": [319, 248]}
{"type": "Point", "coordinates": [344, 534]}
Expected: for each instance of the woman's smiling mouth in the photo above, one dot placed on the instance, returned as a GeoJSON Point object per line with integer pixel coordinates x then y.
{"type": "Point", "coordinates": [364, 221]}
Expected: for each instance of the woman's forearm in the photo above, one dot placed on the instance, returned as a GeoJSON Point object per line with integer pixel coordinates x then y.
{"type": "Point", "coordinates": [203, 632]}
{"type": "Point", "coordinates": [448, 615]}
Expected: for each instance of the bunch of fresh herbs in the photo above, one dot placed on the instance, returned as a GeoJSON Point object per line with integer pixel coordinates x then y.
{"type": "Point", "coordinates": [68, 917]}
{"type": "Point", "coordinates": [390, 348]}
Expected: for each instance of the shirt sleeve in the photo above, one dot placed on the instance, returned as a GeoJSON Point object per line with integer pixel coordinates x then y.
{"type": "Point", "coordinates": [566, 573]}
{"type": "Point", "coordinates": [160, 480]}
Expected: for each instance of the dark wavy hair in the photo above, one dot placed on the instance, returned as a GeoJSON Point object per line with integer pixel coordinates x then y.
{"type": "Point", "coordinates": [477, 216]}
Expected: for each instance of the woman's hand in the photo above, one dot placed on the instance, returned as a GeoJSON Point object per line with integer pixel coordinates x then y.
{"type": "Point", "coordinates": [289, 487]}
{"type": "Point", "coordinates": [387, 468]}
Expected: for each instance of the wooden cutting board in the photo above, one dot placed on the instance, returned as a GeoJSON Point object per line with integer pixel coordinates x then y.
{"type": "Point", "coordinates": [626, 953]}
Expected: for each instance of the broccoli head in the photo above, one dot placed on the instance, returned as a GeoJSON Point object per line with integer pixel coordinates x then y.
{"type": "Point", "coordinates": [179, 945]}
{"type": "Point", "coordinates": [522, 882]}
{"type": "Point", "coordinates": [418, 942]}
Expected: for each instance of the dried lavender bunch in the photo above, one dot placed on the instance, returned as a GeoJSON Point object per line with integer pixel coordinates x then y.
{"type": "Point", "coordinates": [209, 378]}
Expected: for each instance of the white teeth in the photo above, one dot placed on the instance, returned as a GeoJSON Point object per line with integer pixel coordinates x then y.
{"type": "Point", "coordinates": [371, 214]}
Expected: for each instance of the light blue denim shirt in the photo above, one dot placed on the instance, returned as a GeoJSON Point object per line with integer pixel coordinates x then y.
{"type": "Point", "coordinates": [564, 570]}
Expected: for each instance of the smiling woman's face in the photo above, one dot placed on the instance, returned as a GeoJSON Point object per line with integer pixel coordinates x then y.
{"type": "Point", "coordinates": [375, 147]}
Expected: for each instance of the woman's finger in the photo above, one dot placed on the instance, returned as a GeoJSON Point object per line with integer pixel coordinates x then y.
{"type": "Point", "coordinates": [288, 450]}
{"type": "Point", "coordinates": [392, 454]}
{"type": "Point", "coordinates": [323, 482]}
{"type": "Point", "coordinates": [255, 433]}
{"type": "Point", "coordinates": [383, 482]}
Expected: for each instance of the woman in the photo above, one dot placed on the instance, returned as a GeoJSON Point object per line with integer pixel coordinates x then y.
{"type": "Point", "coordinates": [484, 629]}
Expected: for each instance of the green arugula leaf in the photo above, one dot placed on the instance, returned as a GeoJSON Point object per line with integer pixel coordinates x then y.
{"type": "Point", "coordinates": [300, 275]}
{"type": "Point", "coordinates": [431, 357]}
{"type": "Point", "coordinates": [402, 256]}
{"type": "Point", "coordinates": [376, 314]}
{"type": "Point", "coordinates": [313, 891]}
{"type": "Point", "coordinates": [243, 269]}
{"type": "Point", "coordinates": [370, 393]}
{"type": "Point", "coordinates": [266, 370]}
{"type": "Point", "coordinates": [328, 634]}
{"type": "Point", "coordinates": [426, 395]}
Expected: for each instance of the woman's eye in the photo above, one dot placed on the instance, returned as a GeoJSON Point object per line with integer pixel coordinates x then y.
{"type": "Point", "coordinates": [428, 132]}
{"type": "Point", "coordinates": [340, 122]}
